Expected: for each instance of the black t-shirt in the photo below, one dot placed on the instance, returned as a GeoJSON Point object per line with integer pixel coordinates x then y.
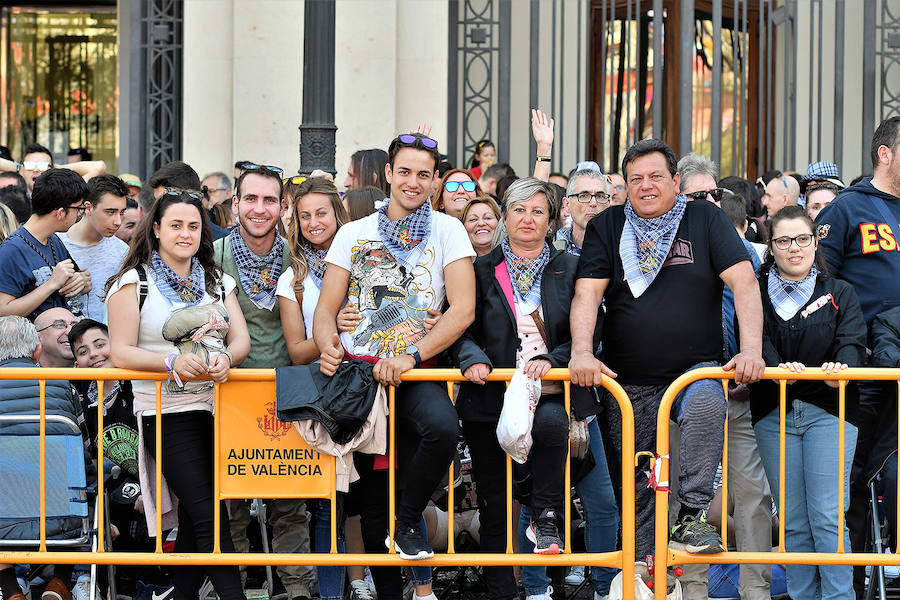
{"type": "Point", "coordinates": [677, 322]}
{"type": "Point", "coordinates": [120, 436]}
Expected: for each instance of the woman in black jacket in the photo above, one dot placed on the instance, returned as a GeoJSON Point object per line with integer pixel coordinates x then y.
{"type": "Point", "coordinates": [809, 319]}
{"type": "Point", "coordinates": [523, 292]}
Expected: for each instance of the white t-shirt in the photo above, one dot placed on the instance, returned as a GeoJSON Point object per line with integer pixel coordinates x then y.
{"type": "Point", "coordinates": [285, 289]}
{"type": "Point", "coordinates": [102, 260]}
{"type": "Point", "coordinates": [393, 296]}
{"type": "Point", "coordinates": [155, 315]}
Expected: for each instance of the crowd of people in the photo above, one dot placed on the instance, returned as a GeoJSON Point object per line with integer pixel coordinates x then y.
{"type": "Point", "coordinates": [639, 275]}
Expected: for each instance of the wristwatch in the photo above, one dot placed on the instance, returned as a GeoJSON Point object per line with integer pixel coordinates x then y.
{"type": "Point", "coordinates": [417, 357]}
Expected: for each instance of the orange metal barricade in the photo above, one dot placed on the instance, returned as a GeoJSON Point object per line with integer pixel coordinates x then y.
{"type": "Point", "coordinates": [667, 557]}
{"type": "Point", "coordinates": [248, 395]}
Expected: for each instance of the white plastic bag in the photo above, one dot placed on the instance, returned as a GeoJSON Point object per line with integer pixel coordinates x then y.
{"type": "Point", "coordinates": [641, 590]}
{"type": "Point", "coordinates": [517, 415]}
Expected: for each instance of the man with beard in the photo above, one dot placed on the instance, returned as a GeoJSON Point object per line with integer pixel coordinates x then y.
{"type": "Point", "coordinates": [255, 255]}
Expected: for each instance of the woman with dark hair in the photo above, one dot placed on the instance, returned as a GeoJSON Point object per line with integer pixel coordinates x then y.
{"type": "Point", "coordinates": [809, 319]}
{"type": "Point", "coordinates": [485, 155]}
{"type": "Point", "coordinates": [457, 187]}
{"type": "Point", "coordinates": [367, 169]}
{"type": "Point", "coordinates": [361, 203]}
{"type": "Point", "coordinates": [172, 309]}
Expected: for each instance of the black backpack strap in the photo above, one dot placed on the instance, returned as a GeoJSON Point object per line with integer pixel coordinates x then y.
{"type": "Point", "coordinates": [143, 286]}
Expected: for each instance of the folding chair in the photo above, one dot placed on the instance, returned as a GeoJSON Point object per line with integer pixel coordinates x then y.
{"type": "Point", "coordinates": [68, 519]}
{"type": "Point", "coordinates": [878, 534]}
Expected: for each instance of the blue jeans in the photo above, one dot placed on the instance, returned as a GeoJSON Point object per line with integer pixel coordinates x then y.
{"type": "Point", "coordinates": [331, 578]}
{"type": "Point", "coordinates": [601, 522]}
{"type": "Point", "coordinates": [811, 497]}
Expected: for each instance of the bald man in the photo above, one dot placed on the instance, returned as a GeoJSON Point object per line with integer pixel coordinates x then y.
{"type": "Point", "coordinates": [53, 326]}
{"type": "Point", "coordinates": [781, 191]}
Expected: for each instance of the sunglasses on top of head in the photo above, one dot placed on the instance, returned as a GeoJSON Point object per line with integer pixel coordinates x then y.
{"type": "Point", "coordinates": [467, 186]}
{"type": "Point", "coordinates": [409, 139]}
{"type": "Point", "coordinates": [249, 166]}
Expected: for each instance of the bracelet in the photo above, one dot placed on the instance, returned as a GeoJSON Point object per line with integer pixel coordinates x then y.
{"type": "Point", "coordinates": [228, 356]}
{"type": "Point", "coordinates": [170, 368]}
{"type": "Point", "coordinates": [18, 167]}
{"type": "Point", "coordinates": [543, 159]}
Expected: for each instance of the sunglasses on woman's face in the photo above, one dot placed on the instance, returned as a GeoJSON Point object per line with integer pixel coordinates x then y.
{"type": "Point", "coordinates": [452, 186]}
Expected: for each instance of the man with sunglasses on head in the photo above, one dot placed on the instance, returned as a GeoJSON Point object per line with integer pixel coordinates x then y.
{"type": "Point", "coordinates": [396, 266]}
{"type": "Point", "coordinates": [781, 191]}
{"type": "Point", "coordinates": [256, 255]}
{"type": "Point", "coordinates": [36, 271]}
{"type": "Point", "coordinates": [748, 488]}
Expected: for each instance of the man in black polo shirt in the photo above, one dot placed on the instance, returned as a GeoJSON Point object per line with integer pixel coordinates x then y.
{"type": "Point", "coordinates": [660, 263]}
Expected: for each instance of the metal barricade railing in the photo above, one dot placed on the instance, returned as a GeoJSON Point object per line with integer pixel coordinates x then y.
{"type": "Point", "coordinates": [667, 557]}
{"type": "Point", "coordinates": [263, 380]}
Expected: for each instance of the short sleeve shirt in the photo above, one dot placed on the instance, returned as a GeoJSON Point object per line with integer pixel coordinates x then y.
{"type": "Point", "coordinates": [393, 296]}
{"type": "Point", "coordinates": [26, 264]}
{"type": "Point", "coordinates": [677, 322]}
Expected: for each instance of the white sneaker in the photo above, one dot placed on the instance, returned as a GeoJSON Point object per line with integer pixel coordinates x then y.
{"type": "Point", "coordinates": [575, 576]}
{"type": "Point", "coordinates": [598, 596]}
{"type": "Point", "coordinates": [545, 596]}
{"type": "Point", "coordinates": [360, 591]}
{"type": "Point", "coordinates": [82, 589]}
{"type": "Point", "coordinates": [370, 582]}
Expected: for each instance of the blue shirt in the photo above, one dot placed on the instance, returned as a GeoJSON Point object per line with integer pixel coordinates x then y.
{"type": "Point", "coordinates": [731, 345]}
{"type": "Point", "coordinates": [24, 267]}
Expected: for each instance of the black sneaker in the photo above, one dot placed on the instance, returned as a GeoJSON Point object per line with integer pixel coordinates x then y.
{"type": "Point", "coordinates": [410, 543]}
{"type": "Point", "coordinates": [544, 533]}
{"type": "Point", "coordinates": [696, 535]}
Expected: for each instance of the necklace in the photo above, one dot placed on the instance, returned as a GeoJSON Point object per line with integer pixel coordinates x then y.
{"type": "Point", "coordinates": [39, 253]}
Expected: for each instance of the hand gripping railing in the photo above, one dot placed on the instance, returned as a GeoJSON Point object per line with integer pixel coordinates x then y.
{"type": "Point", "coordinates": [621, 559]}
{"type": "Point", "coordinates": [666, 557]}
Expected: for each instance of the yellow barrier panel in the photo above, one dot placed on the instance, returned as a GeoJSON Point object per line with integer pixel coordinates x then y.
{"type": "Point", "coordinates": [255, 389]}
{"type": "Point", "coordinates": [667, 557]}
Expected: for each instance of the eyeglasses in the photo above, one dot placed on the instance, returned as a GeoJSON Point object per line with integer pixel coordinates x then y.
{"type": "Point", "coordinates": [80, 208]}
{"type": "Point", "coordinates": [585, 197]}
{"type": "Point", "coordinates": [716, 194]}
{"type": "Point", "coordinates": [784, 242]}
{"type": "Point", "coordinates": [173, 191]}
{"type": "Point", "coordinates": [408, 139]}
{"type": "Point", "coordinates": [59, 324]}
{"type": "Point", "coordinates": [296, 180]}
{"type": "Point", "coordinates": [467, 186]}
{"type": "Point", "coordinates": [249, 166]}
{"type": "Point", "coordinates": [33, 165]}
{"type": "Point", "coordinates": [216, 189]}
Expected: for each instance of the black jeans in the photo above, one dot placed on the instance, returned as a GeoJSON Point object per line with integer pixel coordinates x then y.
{"type": "Point", "coordinates": [427, 428]}
{"type": "Point", "coordinates": [489, 473]}
{"type": "Point", "coordinates": [187, 465]}
{"type": "Point", "coordinates": [550, 432]}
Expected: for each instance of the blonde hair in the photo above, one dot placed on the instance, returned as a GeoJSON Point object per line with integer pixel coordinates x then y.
{"type": "Point", "coordinates": [8, 222]}
{"type": "Point", "coordinates": [313, 185]}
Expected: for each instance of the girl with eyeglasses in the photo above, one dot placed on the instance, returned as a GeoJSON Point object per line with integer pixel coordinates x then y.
{"type": "Point", "coordinates": [458, 186]}
{"type": "Point", "coordinates": [172, 309]}
{"type": "Point", "coordinates": [811, 319]}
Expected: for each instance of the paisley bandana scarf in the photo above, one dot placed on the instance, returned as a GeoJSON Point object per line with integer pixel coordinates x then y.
{"type": "Point", "coordinates": [258, 274]}
{"type": "Point", "coordinates": [403, 235]}
{"type": "Point", "coordinates": [525, 274]}
{"type": "Point", "coordinates": [315, 261]}
{"type": "Point", "coordinates": [187, 291]}
{"type": "Point", "coordinates": [790, 296]}
{"type": "Point", "coordinates": [646, 242]}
